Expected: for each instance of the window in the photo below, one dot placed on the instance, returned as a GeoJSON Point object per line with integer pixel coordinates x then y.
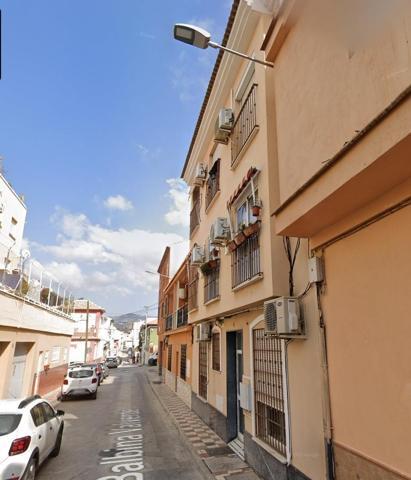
{"type": "Point", "coordinates": [38, 416]}
{"type": "Point", "coordinates": [81, 373]}
{"type": "Point", "coordinates": [269, 391]}
{"type": "Point", "coordinates": [49, 413]}
{"type": "Point", "coordinates": [55, 354]}
{"type": "Point", "coordinates": [192, 288]}
{"type": "Point", "coordinates": [9, 423]}
{"type": "Point", "coordinates": [203, 367]}
{"type": "Point", "coordinates": [195, 210]}
{"type": "Point", "coordinates": [244, 214]}
{"type": "Point", "coordinates": [169, 357]}
{"type": "Point", "coordinates": [216, 341]}
{"type": "Point", "coordinates": [213, 182]}
{"type": "Point", "coordinates": [183, 362]}
{"type": "Point", "coordinates": [212, 283]}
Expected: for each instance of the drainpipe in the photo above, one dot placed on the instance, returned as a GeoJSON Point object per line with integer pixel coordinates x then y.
{"type": "Point", "coordinates": [327, 420]}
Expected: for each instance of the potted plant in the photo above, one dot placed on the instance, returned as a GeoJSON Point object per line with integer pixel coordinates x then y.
{"type": "Point", "coordinates": [240, 237]}
{"type": "Point", "coordinates": [215, 252]}
{"type": "Point", "coordinates": [252, 228]}
{"type": "Point", "coordinates": [205, 268]}
{"type": "Point", "coordinates": [256, 208]}
{"type": "Point", "coordinates": [231, 245]}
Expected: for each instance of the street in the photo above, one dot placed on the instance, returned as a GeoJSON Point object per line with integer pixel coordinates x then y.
{"type": "Point", "coordinates": [125, 428]}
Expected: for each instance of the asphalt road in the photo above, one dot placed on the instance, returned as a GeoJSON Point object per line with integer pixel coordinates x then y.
{"type": "Point", "coordinates": [126, 428]}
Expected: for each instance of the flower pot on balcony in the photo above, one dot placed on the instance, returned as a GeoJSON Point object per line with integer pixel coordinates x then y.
{"type": "Point", "coordinates": [239, 238]}
{"type": "Point", "coordinates": [205, 268]}
{"type": "Point", "coordinates": [252, 229]}
{"type": "Point", "coordinates": [231, 246]}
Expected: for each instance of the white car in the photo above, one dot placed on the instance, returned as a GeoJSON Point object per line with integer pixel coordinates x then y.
{"type": "Point", "coordinates": [80, 381]}
{"type": "Point", "coordinates": [30, 431]}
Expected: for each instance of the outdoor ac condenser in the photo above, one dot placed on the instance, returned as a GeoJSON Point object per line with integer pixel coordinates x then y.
{"type": "Point", "coordinates": [224, 125]}
{"type": "Point", "coordinates": [220, 231]}
{"type": "Point", "coordinates": [201, 175]}
{"type": "Point", "coordinates": [197, 255]}
{"type": "Point", "coordinates": [203, 332]}
{"type": "Point", "coordinates": [282, 317]}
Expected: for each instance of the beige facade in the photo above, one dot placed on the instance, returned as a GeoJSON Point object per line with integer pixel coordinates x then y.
{"type": "Point", "coordinates": [342, 116]}
{"type": "Point", "coordinates": [34, 348]}
{"type": "Point", "coordinates": [284, 425]}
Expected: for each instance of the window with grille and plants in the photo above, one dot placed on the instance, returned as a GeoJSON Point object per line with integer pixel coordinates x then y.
{"type": "Point", "coordinates": [183, 362]}
{"type": "Point", "coordinates": [269, 391]}
{"type": "Point", "coordinates": [169, 357]}
{"type": "Point", "coordinates": [213, 183]}
{"type": "Point", "coordinates": [216, 351]}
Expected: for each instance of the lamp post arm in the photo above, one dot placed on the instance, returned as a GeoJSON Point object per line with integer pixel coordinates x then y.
{"type": "Point", "coordinates": [243, 55]}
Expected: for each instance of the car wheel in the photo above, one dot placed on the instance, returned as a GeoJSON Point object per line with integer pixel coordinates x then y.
{"type": "Point", "coordinates": [31, 470]}
{"type": "Point", "coordinates": [57, 446]}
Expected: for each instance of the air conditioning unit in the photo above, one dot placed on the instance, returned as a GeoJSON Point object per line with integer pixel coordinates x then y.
{"type": "Point", "coordinates": [220, 231]}
{"type": "Point", "coordinates": [282, 317]}
{"type": "Point", "coordinates": [182, 293]}
{"type": "Point", "coordinates": [201, 175]}
{"type": "Point", "coordinates": [224, 125]}
{"type": "Point", "coordinates": [197, 255]}
{"type": "Point", "coordinates": [203, 332]}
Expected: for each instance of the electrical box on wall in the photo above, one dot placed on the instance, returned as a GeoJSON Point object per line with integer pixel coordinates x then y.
{"type": "Point", "coordinates": [315, 270]}
{"type": "Point", "coordinates": [245, 396]}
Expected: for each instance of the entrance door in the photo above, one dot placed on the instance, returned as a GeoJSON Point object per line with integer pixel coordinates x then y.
{"type": "Point", "coordinates": [18, 368]}
{"type": "Point", "coordinates": [239, 377]}
{"type": "Point", "coordinates": [176, 379]}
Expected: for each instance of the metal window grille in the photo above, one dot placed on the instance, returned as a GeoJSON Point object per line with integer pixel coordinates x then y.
{"type": "Point", "coordinates": [213, 183]}
{"type": "Point", "coordinates": [246, 261]}
{"type": "Point", "coordinates": [212, 284]}
{"type": "Point", "coordinates": [183, 362]}
{"type": "Point", "coordinates": [269, 391]}
{"type": "Point", "coordinates": [203, 367]}
{"type": "Point", "coordinates": [245, 124]}
{"type": "Point", "coordinates": [216, 338]}
{"type": "Point", "coordinates": [193, 288]}
{"type": "Point", "coordinates": [169, 357]}
{"type": "Point", "coordinates": [182, 316]}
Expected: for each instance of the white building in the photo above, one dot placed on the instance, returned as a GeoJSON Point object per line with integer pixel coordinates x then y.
{"type": "Point", "coordinates": [12, 218]}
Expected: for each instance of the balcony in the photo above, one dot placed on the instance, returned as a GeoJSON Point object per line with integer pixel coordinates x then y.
{"type": "Point", "coordinates": [169, 322]}
{"type": "Point", "coordinates": [212, 284]}
{"type": "Point", "coordinates": [246, 261]}
{"type": "Point", "coordinates": [245, 124]}
{"type": "Point", "coordinates": [195, 216]}
{"type": "Point", "coordinates": [182, 316]}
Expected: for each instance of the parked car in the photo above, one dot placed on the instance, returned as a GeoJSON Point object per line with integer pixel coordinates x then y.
{"type": "Point", "coordinates": [30, 431]}
{"type": "Point", "coordinates": [112, 362]}
{"type": "Point", "coordinates": [80, 381]}
{"type": "Point", "coordinates": [105, 369]}
{"type": "Point", "coordinates": [152, 359]}
{"type": "Point", "coordinates": [98, 368]}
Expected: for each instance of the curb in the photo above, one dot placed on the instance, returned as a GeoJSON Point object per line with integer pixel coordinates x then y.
{"type": "Point", "coordinates": [199, 460]}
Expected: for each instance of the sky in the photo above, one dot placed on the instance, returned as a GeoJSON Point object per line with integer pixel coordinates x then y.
{"type": "Point", "coordinates": [98, 106]}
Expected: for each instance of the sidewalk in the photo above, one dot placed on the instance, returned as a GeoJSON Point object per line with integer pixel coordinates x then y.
{"type": "Point", "coordinates": [217, 456]}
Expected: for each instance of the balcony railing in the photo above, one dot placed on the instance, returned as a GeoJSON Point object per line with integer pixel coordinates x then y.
{"type": "Point", "coordinates": [246, 261]}
{"type": "Point", "coordinates": [245, 124]}
{"type": "Point", "coordinates": [182, 316]}
{"type": "Point", "coordinates": [195, 216]}
{"type": "Point", "coordinates": [169, 322]}
{"type": "Point", "coordinates": [212, 284]}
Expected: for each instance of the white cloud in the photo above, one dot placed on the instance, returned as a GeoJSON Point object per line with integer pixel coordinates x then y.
{"type": "Point", "coordinates": [179, 213]}
{"type": "Point", "coordinates": [118, 202]}
{"type": "Point", "coordinates": [95, 258]}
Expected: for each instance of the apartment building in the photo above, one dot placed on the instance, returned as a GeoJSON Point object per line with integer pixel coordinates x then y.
{"type": "Point", "coordinates": [340, 103]}
{"type": "Point", "coordinates": [175, 334]}
{"type": "Point", "coordinates": [35, 326]}
{"type": "Point", "coordinates": [98, 332]}
{"type": "Point", "coordinates": [261, 392]}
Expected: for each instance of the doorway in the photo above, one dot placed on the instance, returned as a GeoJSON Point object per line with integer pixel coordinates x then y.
{"type": "Point", "coordinates": [18, 368]}
{"type": "Point", "coordinates": [235, 367]}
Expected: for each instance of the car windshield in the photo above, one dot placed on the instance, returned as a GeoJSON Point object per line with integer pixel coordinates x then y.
{"type": "Point", "coordinates": [81, 374]}
{"type": "Point", "coordinates": [8, 423]}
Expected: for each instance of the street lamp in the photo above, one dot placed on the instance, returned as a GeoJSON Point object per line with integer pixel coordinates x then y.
{"type": "Point", "coordinates": [156, 273]}
{"type": "Point", "coordinates": [200, 38]}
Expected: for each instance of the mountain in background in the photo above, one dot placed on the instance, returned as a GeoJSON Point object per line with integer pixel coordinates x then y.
{"type": "Point", "coordinates": [125, 322]}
